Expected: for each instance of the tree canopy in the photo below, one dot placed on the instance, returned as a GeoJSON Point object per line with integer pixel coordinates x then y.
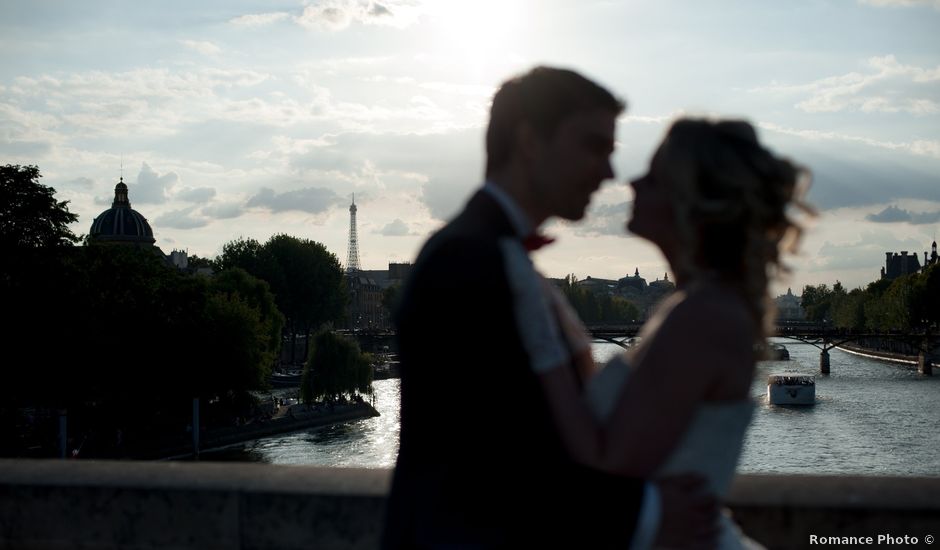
{"type": "Point", "coordinates": [306, 278]}
{"type": "Point", "coordinates": [907, 302]}
{"type": "Point", "coordinates": [336, 367]}
{"type": "Point", "coordinates": [598, 308]}
{"type": "Point", "coordinates": [30, 216]}
{"type": "Point", "coordinates": [135, 317]}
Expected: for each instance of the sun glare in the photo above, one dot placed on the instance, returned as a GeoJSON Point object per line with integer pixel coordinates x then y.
{"type": "Point", "coordinates": [483, 34]}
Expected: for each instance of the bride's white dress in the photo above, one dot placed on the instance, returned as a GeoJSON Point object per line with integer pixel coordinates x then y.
{"type": "Point", "coordinates": [710, 446]}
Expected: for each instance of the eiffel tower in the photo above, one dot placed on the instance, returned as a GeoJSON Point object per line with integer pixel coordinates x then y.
{"type": "Point", "coordinates": [352, 255]}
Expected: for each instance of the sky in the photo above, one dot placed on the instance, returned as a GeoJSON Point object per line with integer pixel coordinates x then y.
{"type": "Point", "coordinates": [242, 118]}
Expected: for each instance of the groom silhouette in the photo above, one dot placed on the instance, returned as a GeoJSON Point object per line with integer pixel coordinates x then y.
{"type": "Point", "coordinates": [481, 463]}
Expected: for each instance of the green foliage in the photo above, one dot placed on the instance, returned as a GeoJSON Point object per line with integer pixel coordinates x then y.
{"type": "Point", "coordinates": [905, 303]}
{"type": "Point", "coordinates": [29, 214]}
{"type": "Point", "coordinates": [237, 283]}
{"type": "Point", "coordinates": [817, 302]}
{"type": "Point", "coordinates": [196, 262]}
{"type": "Point", "coordinates": [850, 311]}
{"type": "Point", "coordinates": [336, 367]}
{"type": "Point", "coordinates": [927, 297]}
{"type": "Point", "coordinates": [306, 279]}
{"type": "Point", "coordinates": [133, 319]}
{"type": "Point", "coordinates": [598, 308]}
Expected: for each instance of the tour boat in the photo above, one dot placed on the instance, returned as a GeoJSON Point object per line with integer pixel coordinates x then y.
{"type": "Point", "coordinates": [791, 389]}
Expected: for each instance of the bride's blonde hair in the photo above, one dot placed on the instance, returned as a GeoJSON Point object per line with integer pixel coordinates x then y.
{"type": "Point", "coordinates": [732, 199]}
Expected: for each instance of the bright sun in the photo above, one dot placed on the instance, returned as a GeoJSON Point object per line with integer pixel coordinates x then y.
{"type": "Point", "coordinates": [481, 33]}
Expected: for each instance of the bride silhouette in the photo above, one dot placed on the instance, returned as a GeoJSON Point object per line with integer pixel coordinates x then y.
{"type": "Point", "coordinates": [716, 203]}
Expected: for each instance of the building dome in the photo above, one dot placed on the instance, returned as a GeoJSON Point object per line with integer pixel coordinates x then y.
{"type": "Point", "coordinates": [121, 223]}
{"type": "Point", "coordinates": [636, 282]}
{"type": "Point", "coordinates": [664, 284]}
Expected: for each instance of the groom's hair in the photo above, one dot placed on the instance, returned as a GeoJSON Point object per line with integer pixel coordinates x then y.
{"type": "Point", "coordinates": [542, 98]}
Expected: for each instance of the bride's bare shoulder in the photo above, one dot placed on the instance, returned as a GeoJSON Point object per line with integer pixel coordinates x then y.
{"type": "Point", "coordinates": [707, 313]}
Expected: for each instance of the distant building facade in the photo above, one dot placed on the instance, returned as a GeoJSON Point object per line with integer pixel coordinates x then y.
{"type": "Point", "coordinates": [633, 288]}
{"type": "Point", "coordinates": [366, 311]}
{"type": "Point", "coordinates": [897, 265]}
{"type": "Point", "coordinates": [367, 288]}
{"type": "Point", "coordinates": [789, 307]}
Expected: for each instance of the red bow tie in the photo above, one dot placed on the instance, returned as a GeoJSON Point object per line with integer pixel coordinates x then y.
{"type": "Point", "coordinates": [536, 241]}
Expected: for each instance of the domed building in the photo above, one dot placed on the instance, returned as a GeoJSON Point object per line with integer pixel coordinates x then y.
{"type": "Point", "coordinates": [789, 307]}
{"type": "Point", "coordinates": [121, 223]}
{"type": "Point", "coordinates": [633, 285]}
{"type": "Point", "coordinates": [663, 286]}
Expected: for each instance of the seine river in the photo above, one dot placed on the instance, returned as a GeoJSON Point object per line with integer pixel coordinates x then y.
{"type": "Point", "coordinates": [871, 417]}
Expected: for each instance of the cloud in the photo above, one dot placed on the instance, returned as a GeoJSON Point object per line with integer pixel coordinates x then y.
{"type": "Point", "coordinates": [180, 219]}
{"type": "Point", "coordinates": [901, 3]}
{"type": "Point", "coordinates": [858, 178]}
{"type": "Point", "coordinates": [198, 195]}
{"type": "Point", "coordinates": [314, 200]}
{"type": "Point", "coordinates": [258, 19]}
{"type": "Point", "coordinates": [890, 214]}
{"type": "Point", "coordinates": [148, 101]}
{"type": "Point", "coordinates": [868, 252]}
{"type": "Point", "coordinates": [151, 187]}
{"type": "Point", "coordinates": [378, 10]}
{"type": "Point", "coordinates": [605, 219]}
{"type": "Point", "coordinates": [446, 166]}
{"type": "Point", "coordinates": [397, 228]}
{"type": "Point", "coordinates": [887, 86]}
{"type": "Point", "coordinates": [87, 183]}
{"type": "Point", "coordinates": [223, 211]}
{"type": "Point", "coordinates": [893, 214]}
{"type": "Point", "coordinates": [917, 147]}
{"type": "Point", "coordinates": [204, 47]}
{"type": "Point", "coordinates": [336, 15]}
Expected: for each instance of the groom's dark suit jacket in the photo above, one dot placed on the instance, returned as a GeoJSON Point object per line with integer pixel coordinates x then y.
{"type": "Point", "coordinates": [480, 462]}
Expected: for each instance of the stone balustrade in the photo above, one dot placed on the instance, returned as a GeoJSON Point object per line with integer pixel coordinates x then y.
{"type": "Point", "coordinates": [59, 504]}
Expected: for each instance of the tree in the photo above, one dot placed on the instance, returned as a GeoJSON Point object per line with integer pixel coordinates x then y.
{"type": "Point", "coordinates": [336, 367]}
{"type": "Point", "coordinates": [236, 285]}
{"type": "Point", "coordinates": [598, 308]}
{"type": "Point", "coordinates": [927, 300]}
{"type": "Point", "coordinates": [29, 214]}
{"type": "Point", "coordinates": [196, 262]}
{"type": "Point", "coordinates": [816, 302]}
{"type": "Point", "coordinates": [144, 338]}
{"type": "Point", "coordinates": [850, 312]}
{"type": "Point", "coordinates": [247, 254]}
{"type": "Point", "coordinates": [306, 279]}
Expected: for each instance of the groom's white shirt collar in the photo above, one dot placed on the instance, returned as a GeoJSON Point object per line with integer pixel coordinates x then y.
{"type": "Point", "coordinates": [521, 223]}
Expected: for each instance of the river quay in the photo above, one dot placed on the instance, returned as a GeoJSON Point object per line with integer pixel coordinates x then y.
{"type": "Point", "coordinates": [288, 418]}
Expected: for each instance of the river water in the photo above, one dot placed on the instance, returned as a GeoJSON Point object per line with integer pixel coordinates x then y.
{"type": "Point", "coordinates": [871, 418]}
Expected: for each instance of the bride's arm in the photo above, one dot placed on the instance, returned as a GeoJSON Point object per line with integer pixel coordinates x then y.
{"type": "Point", "coordinates": [677, 362]}
{"type": "Point", "coordinates": [698, 340]}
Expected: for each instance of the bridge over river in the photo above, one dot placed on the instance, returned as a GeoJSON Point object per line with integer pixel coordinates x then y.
{"type": "Point", "coordinates": [922, 346]}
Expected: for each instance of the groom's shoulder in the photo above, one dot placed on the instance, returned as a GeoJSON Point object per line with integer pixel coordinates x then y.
{"type": "Point", "coordinates": [458, 253]}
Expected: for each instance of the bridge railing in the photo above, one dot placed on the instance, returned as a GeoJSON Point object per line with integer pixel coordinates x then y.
{"type": "Point", "coordinates": [87, 504]}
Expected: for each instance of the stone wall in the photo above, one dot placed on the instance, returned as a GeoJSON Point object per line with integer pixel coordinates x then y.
{"type": "Point", "coordinates": [58, 504]}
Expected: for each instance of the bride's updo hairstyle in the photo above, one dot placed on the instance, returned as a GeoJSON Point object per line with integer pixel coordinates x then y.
{"type": "Point", "coordinates": [732, 199]}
